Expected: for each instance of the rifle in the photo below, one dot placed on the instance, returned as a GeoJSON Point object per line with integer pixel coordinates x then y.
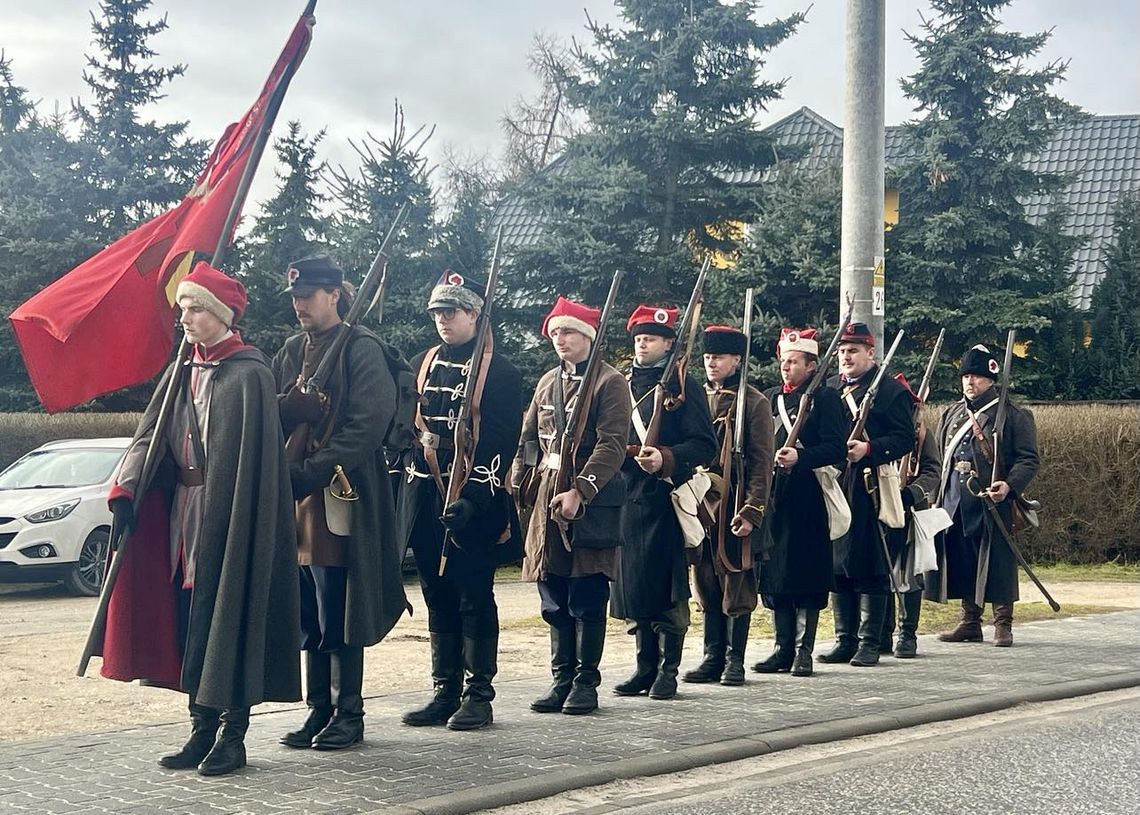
{"type": "Point", "coordinates": [737, 474]}
{"type": "Point", "coordinates": [373, 289]}
{"type": "Point", "coordinates": [908, 468]}
{"type": "Point", "coordinates": [677, 359]}
{"type": "Point", "coordinates": [997, 475]}
{"type": "Point", "coordinates": [575, 422]}
{"type": "Point", "coordinates": [466, 425]}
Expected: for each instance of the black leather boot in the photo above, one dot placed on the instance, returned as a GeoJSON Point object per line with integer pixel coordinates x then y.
{"type": "Point", "coordinates": [481, 660]}
{"type": "Point", "coordinates": [737, 642]}
{"type": "Point", "coordinates": [845, 611]}
{"type": "Point", "coordinates": [970, 627]}
{"type": "Point", "coordinates": [346, 727]}
{"type": "Point", "coordinates": [447, 679]}
{"type": "Point", "coordinates": [712, 666]}
{"type": "Point", "coordinates": [906, 647]}
{"type": "Point", "coordinates": [648, 658]}
{"type": "Point", "coordinates": [228, 752]}
{"type": "Point", "coordinates": [318, 696]}
{"type": "Point", "coordinates": [204, 723]}
{"type": "Point", "coordinates": [562, 665]}
{"type": "Point", "coordinates": [1003, 625]}
{"type": "Point", "coordinates": [807, 620]}
{"type": "Point", "coordinates": [591, 641]}
{"type": "Point", "coordinates": [872, 609]}
{"type": "Point", "coordinates": [665, 685]}
{"type": "Point", "coordinates": [784, 650]}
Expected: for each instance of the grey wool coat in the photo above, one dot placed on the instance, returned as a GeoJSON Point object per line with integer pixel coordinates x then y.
{"type": "Point", "coordinates": [364, 392]}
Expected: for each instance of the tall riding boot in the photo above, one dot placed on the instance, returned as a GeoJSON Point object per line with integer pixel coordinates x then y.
{"type": "Point", "coordinates": [562, 664]}
{"type": "Point", "coordinates": [447, 679]}
{"type": "Point", "coordinates": [807, 620]}
{"type": "Point", "coordinates": [648, 657]}
{"type": "Point", "coordinates": [228, 753]}
{"type": "Point", "coordinates": [318, 696]}
{"type": "Point", "coordinates": [481, 660]}
{"type": "Point", "coordinates": [665, 685]}
{"type": "Point", "coordinates": [737, 641]}
{"type": "Point", "coordinates": [784, 648]}
{"type": "Point", "coordinates": [204, 723]}
{"type": "Point", "coordinates": [970, 628]}
{"type": "Point", "coordinates": [1003, 625]}
{"type": "Point", "coordinates": [712, 666]}
{"type": "Point", "coordinates": [872, 609]}
{"type": "Point", "coordinates": [907, 645]}
{"type": "Point", "coordinates": [347, 725]}
{"type": "Point", "coordinates": [886, 636]}
{"type": "Point", "coordinates": [591, 641]}
{"type": "Point", "coordinates": [845, 610]}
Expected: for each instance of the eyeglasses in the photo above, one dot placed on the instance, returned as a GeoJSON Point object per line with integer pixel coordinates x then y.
{"type": "Point", "coordinates": [442, 313]}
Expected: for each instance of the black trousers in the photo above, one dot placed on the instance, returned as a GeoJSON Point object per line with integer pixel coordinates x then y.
{"type": "Point", "coordinates": [463, 600]}
{"type": "Point", "coordinates": [566, 599]}
{"type": "Point", "coordinates": [322, 607]}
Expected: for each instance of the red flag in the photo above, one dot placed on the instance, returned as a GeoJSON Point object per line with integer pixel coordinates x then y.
{"type": "Point", "coordinates": [108, 323]}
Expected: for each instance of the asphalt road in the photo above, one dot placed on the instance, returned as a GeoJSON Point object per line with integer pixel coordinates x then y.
{"type": "Point", "coordinates": [1079, 756]}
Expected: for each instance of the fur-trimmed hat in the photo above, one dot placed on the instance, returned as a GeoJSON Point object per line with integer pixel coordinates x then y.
{"type": "Point", "coordinates": [214, 291]}
{"type": "Point", "coordinates": [306, 276]}
{"type": "Point", "coordinates": [453, 290]}
{"type": "Point", "coordinates": [577, 316]}
{"type": "Point", "coordinates": [858, 332]}
{"type": "Point", "coordinates": [798, 339]}
{"type": "Point", "coordinates": [980, 362]}
{"type": "Point", "coordinates": [724, 339]}
{"type": "Point", "coordinates": [661, 322]}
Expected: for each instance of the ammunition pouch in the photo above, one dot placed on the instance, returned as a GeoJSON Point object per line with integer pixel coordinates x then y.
{"type": "Point", "coordinates": [600, 526]}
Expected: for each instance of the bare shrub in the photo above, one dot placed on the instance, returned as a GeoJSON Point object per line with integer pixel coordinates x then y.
{"type": "Point", "coordinates": [21, 432]}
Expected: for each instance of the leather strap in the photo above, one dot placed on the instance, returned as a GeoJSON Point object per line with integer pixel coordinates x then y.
{"type": "Point", "coordinates": [421, 424]}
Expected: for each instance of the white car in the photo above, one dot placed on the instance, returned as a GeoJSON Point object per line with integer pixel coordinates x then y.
{"type": "Point", "coordinates": [54, 520]}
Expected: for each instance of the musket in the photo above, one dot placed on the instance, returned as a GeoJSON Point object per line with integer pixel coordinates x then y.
{"type": "Point", "coordinates": [117, 547]}
{"type": "Point", "coordinates": [465, 437]}
{"type": "Point", "coordinates": [910, 462]}
{"type": "Point", "coordinates": [373, 289]}
{"type": "Point", "coordinates": [738, 475]}
{"type": "Point", "coordinates": [677, 359]}
{"type": "Point", "coordinates": [575, 422]}
{"type": "Point", "coordinates": [859, 430]}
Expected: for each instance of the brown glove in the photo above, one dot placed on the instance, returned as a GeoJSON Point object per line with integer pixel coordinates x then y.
{"type": "Point", "coordinates": [298, 407]}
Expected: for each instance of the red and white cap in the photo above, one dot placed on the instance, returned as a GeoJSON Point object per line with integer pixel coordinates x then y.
{"type": "Point", "coordinates": [799, 339]}
{"type": "Point", "coordinates": [577, 316]}
{"type": "Point", "coordinates": [653, 320]}
{"type": "Point", "coordinates": [214, 291]}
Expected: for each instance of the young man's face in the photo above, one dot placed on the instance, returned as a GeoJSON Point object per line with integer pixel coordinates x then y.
{"type": "Point", "coordinates": [974, 385]}
{"type": "Point", "coordinates": [649, 348]}
{"type": "Point", "coordinates": [570, 345]}
{"type": "Point", "coordinates": [200, 325]}
{"type": "Point", "coordinates": [855, 358]}
{"type": "Point", "coordinates": [317, 311]}
{"type": "Point", "coordinates": [796, 367]}
{"type": "Point", "coordinates": [719, 367]}
{"type": "Point", "coordinates": [455, 326]}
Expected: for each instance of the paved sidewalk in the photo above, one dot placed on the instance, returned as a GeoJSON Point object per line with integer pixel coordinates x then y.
{"type": "Point", "coordinates": [526, 755]}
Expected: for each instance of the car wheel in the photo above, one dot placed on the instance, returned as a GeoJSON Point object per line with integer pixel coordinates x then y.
{"type": "Point", "coordinates": [86, 579]}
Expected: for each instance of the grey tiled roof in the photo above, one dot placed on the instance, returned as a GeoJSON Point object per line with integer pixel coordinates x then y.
{"type": "Point", "coordinates": [1101, 152]}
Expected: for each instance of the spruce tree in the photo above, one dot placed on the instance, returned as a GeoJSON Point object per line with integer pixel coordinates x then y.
{"type": "Point", "coordinates": [289, 227]}
{"type": "Point", "coordinates": [142, 166]}
{"type": "Point", "coordinates": [965, 255]}
{"type": "Point", "coordinates": [670, 100]}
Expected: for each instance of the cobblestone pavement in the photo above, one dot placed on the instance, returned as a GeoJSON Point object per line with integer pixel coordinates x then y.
{"type": "Point", "coordinates": [526, 755]}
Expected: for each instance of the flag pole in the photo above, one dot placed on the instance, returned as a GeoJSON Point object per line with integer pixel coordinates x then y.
{"type": "Point", "coordinates": [118, 537]}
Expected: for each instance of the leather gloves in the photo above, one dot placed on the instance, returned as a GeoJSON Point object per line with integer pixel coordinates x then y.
{"type": "Point", "coordinates": [298, 407]}
{"type": "Point", "coordinates": [457, 515]}
{"type": "Point", "coordinates": [123, 511]}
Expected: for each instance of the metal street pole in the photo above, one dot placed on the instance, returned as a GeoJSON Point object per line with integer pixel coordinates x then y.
{"type": "Point", "coordinates": [861, 252]}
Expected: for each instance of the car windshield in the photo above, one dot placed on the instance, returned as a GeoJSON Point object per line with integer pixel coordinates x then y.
{"type": "Point", "coordinates": [73, 467]}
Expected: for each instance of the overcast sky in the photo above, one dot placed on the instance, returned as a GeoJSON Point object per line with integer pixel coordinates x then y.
{"type": "Point", "coordinates": [458, 64]}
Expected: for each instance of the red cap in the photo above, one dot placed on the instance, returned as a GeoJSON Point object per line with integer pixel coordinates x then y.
{"type": "Point", "coordinates": [798, 339]}
{"type": "Point", "coordinates": [569, 314]}
{"type": "Point", "coordinates": [653, 320]}
{"type": "Point", "coordinates": [214, 291]}
{"type": "Point", "coordinates": [858, 332]}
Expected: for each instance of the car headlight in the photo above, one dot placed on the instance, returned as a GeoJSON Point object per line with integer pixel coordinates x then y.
{"type": "Point", "coordinates": [52, 513]}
